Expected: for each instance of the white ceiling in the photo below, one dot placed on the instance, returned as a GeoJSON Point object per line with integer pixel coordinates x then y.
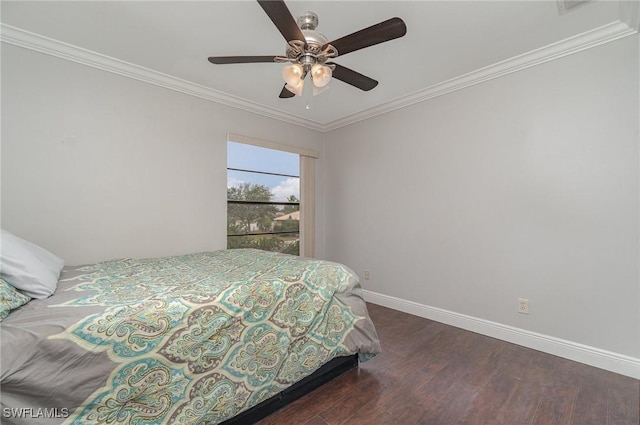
{"type": "Point", "coordinates": [445, 40]}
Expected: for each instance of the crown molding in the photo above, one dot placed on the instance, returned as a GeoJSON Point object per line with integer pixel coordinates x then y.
{"type": "Point", "coordinates": [29, 40]}
{"type": "Point", "coordinates": [580, 42]}
{"type": "Point", "coordinates": [604, 34]}
{"type": "Point", "coordinates": [630, 14]}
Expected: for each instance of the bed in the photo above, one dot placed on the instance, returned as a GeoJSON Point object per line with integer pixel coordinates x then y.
{"type": "Point", "coordinates": [202, 338]}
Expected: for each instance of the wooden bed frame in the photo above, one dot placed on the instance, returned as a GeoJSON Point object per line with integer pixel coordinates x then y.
{"type": "Point", "coordinates": [326, 373]}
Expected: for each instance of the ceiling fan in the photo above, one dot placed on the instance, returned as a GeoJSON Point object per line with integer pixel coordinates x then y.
{"type": "Point", "coordinates": [310, 53]}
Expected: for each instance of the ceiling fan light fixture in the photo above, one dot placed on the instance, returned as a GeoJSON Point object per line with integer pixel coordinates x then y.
{"type": "Point", "coordinates": [295, 88]}
{"type": "Point", "coordinates": [293, 74]}
{"type": "Point", "coordinates": [320, 75]}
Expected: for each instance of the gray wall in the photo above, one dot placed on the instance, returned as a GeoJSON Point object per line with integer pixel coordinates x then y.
{"type": "Point", "coordinates": [98, 166]}
{"type": "Point", "coordinates": [525, 186]}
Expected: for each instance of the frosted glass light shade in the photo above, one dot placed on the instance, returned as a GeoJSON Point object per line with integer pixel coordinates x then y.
{"type": "Point", "coordinates": [320, 74]}
{"type": "Point", "coordinates": [292, 74]}
{"type": "Point", "coordinates": [295, 88]}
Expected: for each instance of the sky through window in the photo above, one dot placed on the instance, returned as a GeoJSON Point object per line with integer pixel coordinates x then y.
{"type": "Point", "coordinates": [255, 158]}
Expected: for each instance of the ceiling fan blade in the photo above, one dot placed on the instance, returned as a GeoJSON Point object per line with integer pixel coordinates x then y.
{"type": "Point", "coordinates": [379, 33]}
{"type": "Point", "coordinates": [223, 60]}
{"type": "Point", "coordinates": [352, 77]}
{"type": "Point", "coordinates": [286, 94]}
{"type": "Point", "coordinates": [282, 19]}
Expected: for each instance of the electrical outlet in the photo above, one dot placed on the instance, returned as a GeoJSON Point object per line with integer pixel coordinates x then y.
{"type": "Point", "coordinates": [523, 305]}
{"type": "Point", "coordinates": [367, 274]}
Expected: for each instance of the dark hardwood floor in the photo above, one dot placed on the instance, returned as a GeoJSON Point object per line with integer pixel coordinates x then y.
{"type": "Point", "coordinates": [431, 373]}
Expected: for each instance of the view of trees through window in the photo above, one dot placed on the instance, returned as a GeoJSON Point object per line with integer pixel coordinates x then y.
{"type": "Point", "coordinates": [263, 199]}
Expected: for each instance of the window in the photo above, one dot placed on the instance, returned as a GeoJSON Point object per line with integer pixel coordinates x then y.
{"type": "Point", "coordinates": [264, 200]}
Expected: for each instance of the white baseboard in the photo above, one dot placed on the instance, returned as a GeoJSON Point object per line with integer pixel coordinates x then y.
{"type": "Point", "coordinates": [614, 362]}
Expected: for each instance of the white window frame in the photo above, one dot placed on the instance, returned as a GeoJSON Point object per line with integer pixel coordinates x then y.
{"type": "Point", "coordinates": [307, 186]}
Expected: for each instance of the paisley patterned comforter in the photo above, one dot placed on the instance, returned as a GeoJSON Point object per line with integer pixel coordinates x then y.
{"type": "Point", "coordinates": [181, 340]}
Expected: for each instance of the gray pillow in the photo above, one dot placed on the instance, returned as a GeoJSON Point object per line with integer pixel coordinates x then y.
{"type": "Point", "coordinates": [28, 267]}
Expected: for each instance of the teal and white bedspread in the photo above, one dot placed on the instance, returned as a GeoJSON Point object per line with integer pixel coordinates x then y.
{"type": "Point", "coordinates": [193, 339]}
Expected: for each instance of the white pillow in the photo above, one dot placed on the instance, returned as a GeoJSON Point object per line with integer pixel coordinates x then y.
{"type": "Point", "coordinates": [28, 267]}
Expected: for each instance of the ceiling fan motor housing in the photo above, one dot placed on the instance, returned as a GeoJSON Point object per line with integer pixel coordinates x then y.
{"type": "Point", "coordinates": [314, 38]}
{"type": "Point", "coordinates": [309, 51]}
